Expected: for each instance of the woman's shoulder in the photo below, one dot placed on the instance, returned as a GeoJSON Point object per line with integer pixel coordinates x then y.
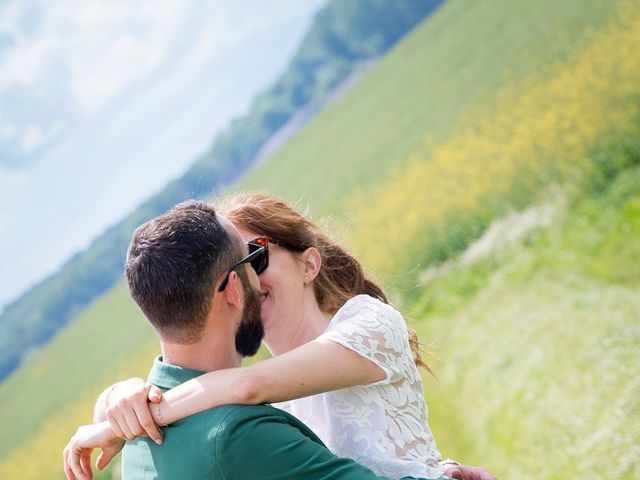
{"type": "Point", "coordinates": [367, 302]}
{"type": "Point", "coordinates": [367, 307]}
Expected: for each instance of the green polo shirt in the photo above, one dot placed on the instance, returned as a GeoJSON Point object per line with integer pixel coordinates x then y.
{"type": "Point", "coordinates": [233, 442]}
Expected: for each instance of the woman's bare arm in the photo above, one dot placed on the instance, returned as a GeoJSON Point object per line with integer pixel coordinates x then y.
{"type": "Point", "coordinates": [99, 410]}
{"type": "Point", "coordinates": [315, 367]}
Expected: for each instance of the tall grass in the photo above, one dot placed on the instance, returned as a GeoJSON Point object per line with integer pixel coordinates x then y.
{"type": "Point", "coordinates": [540, 131]}
{"type": "Point", "coordinates": [537, 368]}
{"type": "Point", "coordinates": [45, 401]}
{"type": "Point", "coordinates": [425, 88]}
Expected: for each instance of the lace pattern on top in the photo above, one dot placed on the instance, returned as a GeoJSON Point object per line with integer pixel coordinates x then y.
{"type": "Point", "coordinates": [382, 425]}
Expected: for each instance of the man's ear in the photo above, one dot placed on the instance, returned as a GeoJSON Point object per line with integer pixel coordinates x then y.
{"type": "Point", "coordinates": [312, 263]}
{"type": "Point", "coordinates": [233, 294]}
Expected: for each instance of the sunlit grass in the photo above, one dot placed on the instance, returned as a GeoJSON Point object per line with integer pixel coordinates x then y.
{"type": "Point", "coordinates": [540, 131]}
{"type": "Point", "coordinates": [462, 56]}
{"type": "Point", "coordinates": [44, 402]}
{"type": "Point", "coordinates": [537, 370]}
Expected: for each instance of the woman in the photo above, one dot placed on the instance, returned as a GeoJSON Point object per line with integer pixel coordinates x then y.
{"type": "Point", "coordinates": [342, 362]}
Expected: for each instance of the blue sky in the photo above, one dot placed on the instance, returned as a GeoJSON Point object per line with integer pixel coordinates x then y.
{"type": "Point", "coordinates": [101, 103]}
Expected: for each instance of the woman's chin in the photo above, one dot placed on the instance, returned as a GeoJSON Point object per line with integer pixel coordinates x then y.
{"type": "Point", "coordinates": [265, 316]}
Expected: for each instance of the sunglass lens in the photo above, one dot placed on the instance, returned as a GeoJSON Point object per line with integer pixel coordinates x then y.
{"type": "Point", "coordinates": [261, 262]}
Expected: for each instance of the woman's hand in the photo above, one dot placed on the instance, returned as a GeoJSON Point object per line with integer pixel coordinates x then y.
{"type": "Point", "coordinates": [77, 453]}
{"type": "Point", "coordinates": [466, 472]}
{"type": "Point", "coordinates": [128, 410]}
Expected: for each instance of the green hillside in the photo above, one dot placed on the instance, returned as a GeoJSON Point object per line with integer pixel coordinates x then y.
{"type": "Point", "coordinates": [459, 59]}
{"type": "Point", "coordinates": [537, 348]}
{"type": "Point", "coordinates": [343, 37]}
{"type": "Point", "coordinates": [488, 169]}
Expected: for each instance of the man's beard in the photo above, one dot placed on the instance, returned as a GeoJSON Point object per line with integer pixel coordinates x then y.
{"type": "Point", "coordinates": [250, 331]}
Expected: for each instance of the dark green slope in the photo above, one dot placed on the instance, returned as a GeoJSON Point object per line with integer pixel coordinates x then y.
{"type": "Point", "coordinates": [342, 37]}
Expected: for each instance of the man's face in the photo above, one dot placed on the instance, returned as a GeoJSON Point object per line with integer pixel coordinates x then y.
{"type": "Point", "coordinates": [250, 330]}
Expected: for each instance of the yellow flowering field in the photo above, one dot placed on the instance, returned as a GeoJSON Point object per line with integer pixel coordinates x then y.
{"type": "Point", "coordinates": [539, 132]}
{"type": "Point", "coordinates": [40, 456]}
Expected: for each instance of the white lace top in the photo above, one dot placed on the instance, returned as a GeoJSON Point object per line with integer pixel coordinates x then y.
{"type": "Point", "coordinates": [382, 425]}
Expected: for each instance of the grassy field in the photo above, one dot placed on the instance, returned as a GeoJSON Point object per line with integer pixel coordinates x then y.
{"type": "Point", "coordinates": [537, 347]}
{"type": "Point", "coordinates": [438, 78]}
{"type": "Point", "coordinates": [57, 386]}
{"type": "Point", "coordinates": [487, 108]}
{"type": "Point", "coordinates": [540, 131]}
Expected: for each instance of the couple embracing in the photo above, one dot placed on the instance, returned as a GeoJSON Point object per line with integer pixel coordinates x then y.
{"type": "Point", "coordinates": [215, 282]}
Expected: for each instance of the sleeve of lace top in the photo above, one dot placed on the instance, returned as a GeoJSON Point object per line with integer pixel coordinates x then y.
{"type": "Point", "coordinates": [374, 330]}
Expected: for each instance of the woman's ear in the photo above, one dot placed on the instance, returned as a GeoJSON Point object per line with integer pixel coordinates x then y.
{"type": "Point", "coordinates": [312, 263]}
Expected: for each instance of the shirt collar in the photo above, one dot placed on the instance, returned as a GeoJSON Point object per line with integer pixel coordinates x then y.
{"type": "Point", "coordinates": [165, 375]}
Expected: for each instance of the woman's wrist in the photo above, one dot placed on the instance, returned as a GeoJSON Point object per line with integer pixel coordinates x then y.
{"type": "Point", "coordinates": [102, 403]}
{"type": "Point", "coordinates": [107, 394]}
{"type": "Point", "coordinates": [156, 413]}
{"type": "Point", "coordinates": [109, 391]}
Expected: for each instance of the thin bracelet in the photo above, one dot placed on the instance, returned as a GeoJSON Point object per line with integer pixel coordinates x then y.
{"type": "Point", "coordinates": [159, 415]}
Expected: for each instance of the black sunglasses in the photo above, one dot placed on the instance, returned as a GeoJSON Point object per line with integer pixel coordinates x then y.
{"type": "Point", "coordinates": [258, 258]}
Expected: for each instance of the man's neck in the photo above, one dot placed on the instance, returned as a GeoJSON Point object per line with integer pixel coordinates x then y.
{"type": "Point", "coordinates": [207, 355]}
{"type": "Point", "coordinates": [197, 359]}
{"type": "Point", "coordinates": [215, 349]}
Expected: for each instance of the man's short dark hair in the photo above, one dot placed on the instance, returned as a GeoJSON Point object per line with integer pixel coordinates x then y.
{"type": "Point", "coordinates": [172, 267]}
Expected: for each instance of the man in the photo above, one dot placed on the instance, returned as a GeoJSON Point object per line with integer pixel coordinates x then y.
{"type": "Point", "coordinates": [194, 279]}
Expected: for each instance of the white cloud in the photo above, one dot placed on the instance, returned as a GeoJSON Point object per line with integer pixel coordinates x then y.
{"type": "Point", "coordinates": [11, 183]}
{"type": "Point", "coordinates": [114, 98]}
{"type": "Point", "coordinates": [23, 64]}
{"type": "Point", "coordinates": [98, 48]}
{"type": "Point", "coordinates": [99, 51]}
{"type": "Point", "coordinates": [111, 48]}
{"type": "Point", "coordinates": [32, 138]}
{"type": "Point", "coordinates": [8, 131]}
